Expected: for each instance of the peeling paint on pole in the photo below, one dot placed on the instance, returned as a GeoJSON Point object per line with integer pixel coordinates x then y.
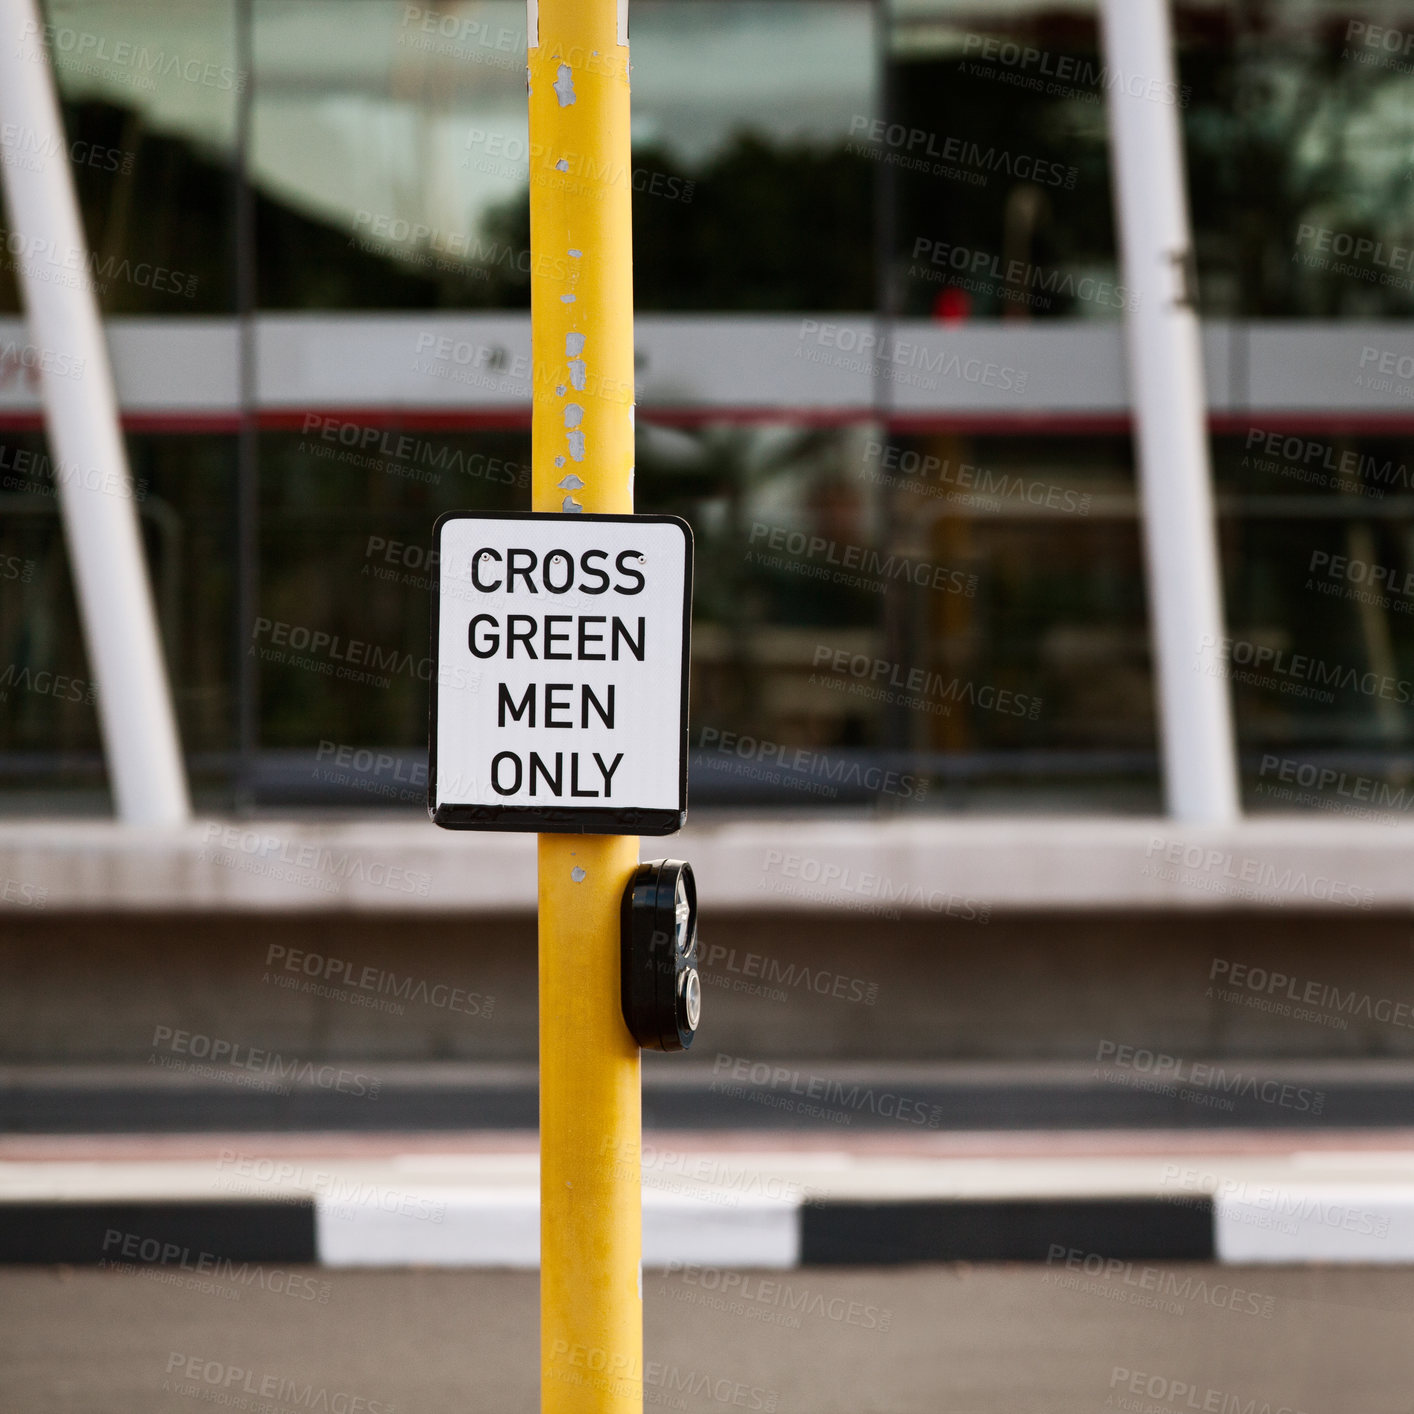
{"type": "Point", "coordinates": [582, 458]}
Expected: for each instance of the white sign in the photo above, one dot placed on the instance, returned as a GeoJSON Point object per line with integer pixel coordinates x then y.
{"type": "Point", "coordinates": [560, 697]}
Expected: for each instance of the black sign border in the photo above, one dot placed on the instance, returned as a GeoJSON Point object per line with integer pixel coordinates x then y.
{"type": "Point", "coordinates": [558, 820]}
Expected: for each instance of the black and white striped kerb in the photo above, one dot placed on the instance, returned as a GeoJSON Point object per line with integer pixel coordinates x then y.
{"type": "Point", "coordinates": [193, 1235]}
{"type": "Point", "coordinates": [1009, 1230]}
{"type": "Point", "coordinates": [157, 1233]}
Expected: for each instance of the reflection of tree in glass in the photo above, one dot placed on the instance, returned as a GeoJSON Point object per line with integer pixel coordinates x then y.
{"type": "Point", "coordinates": [1290, 136]}
{"type": "Point", "coordinates": [952, 234]}
{"type": "Point", "coordinates": [763, 227]}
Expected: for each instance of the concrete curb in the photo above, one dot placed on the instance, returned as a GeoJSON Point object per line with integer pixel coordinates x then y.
{"type": "Point", "coordinates": [478, 1228]}
{"type": "Point", "coordinates": [866, 868]}
{"type": "Point", "coordinates": [500, 1229]}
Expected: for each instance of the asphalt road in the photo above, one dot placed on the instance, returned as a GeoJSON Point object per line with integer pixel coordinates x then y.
{"type": "Point", "coordinates": [924, 1340]}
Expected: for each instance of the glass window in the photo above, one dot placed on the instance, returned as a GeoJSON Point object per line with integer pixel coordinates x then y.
{"type": "Point", "coordinates": [183, 489]}
{"type": "Point", "coordinates": [391, 156]}
{"type": "Point", "coordinates": [992, 143]}
{"type": "Point", "coordinates": [1299, 131]}
{"type": "Point", "coordinates": [150, 91]}
{"type": "Point", "coordinates": [952, 593]}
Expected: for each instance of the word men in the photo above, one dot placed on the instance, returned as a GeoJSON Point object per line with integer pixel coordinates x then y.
{"type": "Point", "coordinates": [573, 716]}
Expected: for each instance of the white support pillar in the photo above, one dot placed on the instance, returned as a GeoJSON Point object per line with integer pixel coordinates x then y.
{"type": "Point", "coordinates": [1170, 413]}
{"type": "Point", "coordinates": [86, 442]}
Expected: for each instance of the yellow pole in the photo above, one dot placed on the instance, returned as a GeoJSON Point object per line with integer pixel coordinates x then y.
{"type": "Point", "coordinates": [591, 1302]}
